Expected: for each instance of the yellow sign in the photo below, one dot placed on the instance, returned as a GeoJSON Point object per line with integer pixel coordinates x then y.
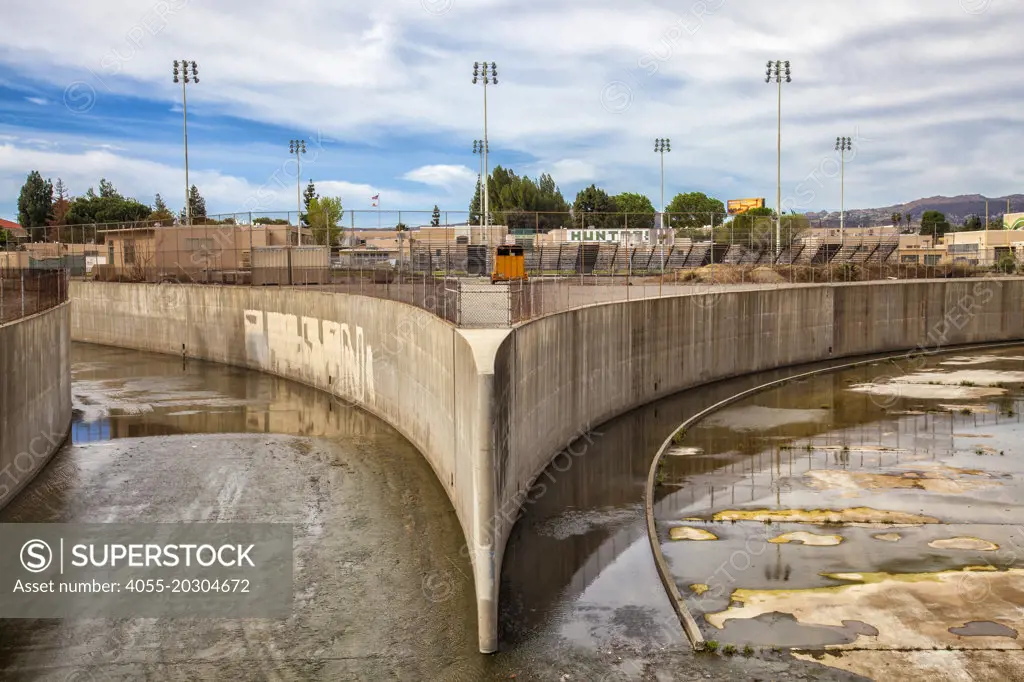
{"type": "Point", "coordinates": [737, 206]}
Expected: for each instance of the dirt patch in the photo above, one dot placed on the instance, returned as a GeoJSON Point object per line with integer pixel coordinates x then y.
{"type": "Point", "coordinates": [688, 533]}
{"type": "Point", "coordinates": [930, 481]}
{"type": "Point", "coordinates": [975, 544]}
{"type": "Point", "coordinates": [805, 538]}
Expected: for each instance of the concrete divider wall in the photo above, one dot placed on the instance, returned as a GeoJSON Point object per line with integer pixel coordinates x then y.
{"type": "Point", "coordinates": [396, 361]}
{"type": "Point", "coordinates": [35, 395]}
{"type": "Point", "coordinates": [489, 409]}
{"type": "Point", "coordinates": [560, 376]}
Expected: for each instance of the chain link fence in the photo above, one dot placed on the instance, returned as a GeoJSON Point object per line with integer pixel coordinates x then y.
{"type": "Point", "coordinates": [25, 292]}
{"type": "Point", "coordinates": [441, 261]}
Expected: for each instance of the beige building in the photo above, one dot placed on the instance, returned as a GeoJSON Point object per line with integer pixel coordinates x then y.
{"type": "Point", "coordinates": [921, 249]}
{"type": "Point", "coordinates": [160, 252]}
{"type": "Point", "coordinates": [983, 247]}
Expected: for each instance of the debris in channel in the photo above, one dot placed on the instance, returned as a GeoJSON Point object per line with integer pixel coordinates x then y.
{"type": "Point", "coordinates": [687, 533]}
{"type": "Point", "coordinates": [856, 516]}
{"type": "Point", "coordinates": [804, 538]}
{"type": "Point", "coordinates": [975, 544]}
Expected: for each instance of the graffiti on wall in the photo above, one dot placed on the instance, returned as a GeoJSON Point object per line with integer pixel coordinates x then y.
{"type": "Point", "coordinates": [328, 354]}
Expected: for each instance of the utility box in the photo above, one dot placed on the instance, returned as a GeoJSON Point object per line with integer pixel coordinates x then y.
{"type": "Point", "coordinates": [289, 265]}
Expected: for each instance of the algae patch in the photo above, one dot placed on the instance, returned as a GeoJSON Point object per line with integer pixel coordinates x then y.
{"type": "Point", "coordinates": [976, 544]}
{"type": "Point", "coordinates": [687, 533]}
{"type": "Point", "coordinates": [887, 537]}
{"type": "Point", "coordinates": [853, 516]}
{"type": "Point", "coordinates": [806, 538]}
{"type": "Point", "coordinates": [699, 588]}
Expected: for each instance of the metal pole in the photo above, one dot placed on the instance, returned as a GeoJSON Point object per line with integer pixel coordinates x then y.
{"type": "Point", "coordinates": [487, 218]}
{"type": "Point", "coordinates": [184, 116]}
{"type": "Point", "coordinates": [842, 194]}
{"type": "Point", "coordinates": [778, 184]}
{"type": "Point", "coordinates": [663, 182]}
{"type": "Point", "coordinates": [298, 192]}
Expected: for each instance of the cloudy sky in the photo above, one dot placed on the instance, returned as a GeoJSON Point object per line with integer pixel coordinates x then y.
{"type": "Point", "coordinates": [930, 92]}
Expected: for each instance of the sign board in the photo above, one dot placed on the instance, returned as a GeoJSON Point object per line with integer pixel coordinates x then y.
{"type": "Point", "coordinates": [611, 236]}
{"type": "Point", "coordinates": [1013, 221]}
{"type": "Point", "coordinates": [737, 206]}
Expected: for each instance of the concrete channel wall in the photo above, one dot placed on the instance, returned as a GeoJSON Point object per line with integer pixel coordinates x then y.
{"type": "Point", "coordinates": [490, 409]}
{"type": "Point", "coordinates": [35, 395]}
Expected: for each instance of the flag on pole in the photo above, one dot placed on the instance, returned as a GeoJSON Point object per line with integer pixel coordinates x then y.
{"type": "Point", "coordinates": [375, 199]}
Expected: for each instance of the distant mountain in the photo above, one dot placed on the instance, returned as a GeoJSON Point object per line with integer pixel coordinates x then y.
{"type": "Point", "coordinates": [956, 209]}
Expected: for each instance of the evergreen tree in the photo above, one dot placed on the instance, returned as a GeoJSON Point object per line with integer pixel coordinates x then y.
{"type": "Point", "coordinates": [435, 217]}
{"type": "Point", "coordinates": [34, 203]}
{"type": "Point", "coordinates": [596, 209]}
{"type": "Point", "coordinates": [197, 205]}
{"type": "Point", "coordinates": [160, 211]}
{"type": "Point", "coordinates": [307, 198]}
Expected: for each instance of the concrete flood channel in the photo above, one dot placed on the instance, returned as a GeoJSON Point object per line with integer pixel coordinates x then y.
{"type": "Point", "coordinates": [382, 587]}
{"type": "Point", "coordinates": [871, 519]}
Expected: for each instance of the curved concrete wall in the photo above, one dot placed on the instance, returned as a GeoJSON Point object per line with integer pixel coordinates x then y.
{"type": "Point", "coordinates": [408, 367]}
{"type": "Point", "coordinates": [489, 409]}
{"type": "Point", "coordinates": [558, 377]}
{"type": "Point", "coordinates": [35, 395]}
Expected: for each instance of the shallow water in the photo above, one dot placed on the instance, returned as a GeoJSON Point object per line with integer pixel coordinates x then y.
{"type": "Point", "coordinates": [913, 481]}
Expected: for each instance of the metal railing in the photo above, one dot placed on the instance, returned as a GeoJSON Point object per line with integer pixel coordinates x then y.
{"type": "Point", "coordinates": [25, 292]}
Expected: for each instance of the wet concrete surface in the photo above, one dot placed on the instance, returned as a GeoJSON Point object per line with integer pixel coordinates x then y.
{"type": "Point", "coordinates": [382, 585]}
{"type": "Point", "coordinates": [927, 501]}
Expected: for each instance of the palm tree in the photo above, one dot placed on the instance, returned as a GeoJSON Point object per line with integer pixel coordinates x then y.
{"type": "Point", "coordinates": [897, 219]}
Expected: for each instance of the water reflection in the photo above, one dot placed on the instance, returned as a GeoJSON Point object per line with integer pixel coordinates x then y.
{"type": "Point", "coordinates": [578, 565]}
{"type": "Point", "coordinates": [126, 394]}
{"type": "Point", "coordinates": [822, 479]}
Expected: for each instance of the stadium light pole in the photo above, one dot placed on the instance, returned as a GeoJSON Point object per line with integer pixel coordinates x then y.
{"type": "Point", "coordinates": [485, 73]}
{"type": "Point", "coordinates": [662, 145]}
{"type": "Point", "coordinates": [778, 70]}
{"type": "Point", "coordinates": [480, 148]}
{"type": "Point", "coordinates": [843, 145]}
{"type": "Point", "coordinates": [298, 148]}
{"type": "Point", "coordinates": [184, 77]}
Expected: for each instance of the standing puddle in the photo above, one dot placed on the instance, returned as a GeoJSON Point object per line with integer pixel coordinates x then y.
{"type": "Point", "coordinates": [850, 505]}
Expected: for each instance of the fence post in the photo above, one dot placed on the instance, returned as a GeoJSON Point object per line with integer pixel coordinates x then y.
{"type": "Point", "coordinates": [2, 306]}
{"type": "Point", "coordinates": [23, 292]}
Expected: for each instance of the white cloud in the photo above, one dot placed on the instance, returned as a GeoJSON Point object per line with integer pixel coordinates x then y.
{"type": "Point", "coordinates": [441, 175]}
{"type": "Point", "coordinates": [41, 101]}
{"type": "Point", "coordinates": [935, 91]}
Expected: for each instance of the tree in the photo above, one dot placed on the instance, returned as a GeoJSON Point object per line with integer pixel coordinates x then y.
{"type": "Point", "coordinates": [524, 205]}
{"type": "Point", "coordinates": [264, 220]}
{"type": "Point", "coordinates": [596, 209]}
{"type": "Point", "coordinates": [933, 223]}
{"type": "Point", "coordinates": [638, 209]}
{"type": "Point", "coordinates": [972, 223]}
{"type": "Point", "coordinates": [401, 227]}
{"type": "Point", "coordinates": [694, 210]}
{"type": "Point", "coordinates": [897, 219]}
{"type": "Point", "coordinates": [107, 190]}
{"type": "Point", "coordinates": [92, 209]}
{"type": "Point", "coordinates": [160, 211]}
{"type": "Point", "coordinates": [307, 198]}
{"type": "Point", "coordinates": [435, 217]}
{"type": "Point", "coordinates": [475, 205]}
{"type": "Point", "coordinates": [34, 203]}
{"type": "Point", "coordinates": [324, 215]}
{"type": "Point", "coordinates": [754, 229]}
{"type": "Point", "coordinates": [197, 205]}
{"type": "Point", "coordinates": [59, 210]}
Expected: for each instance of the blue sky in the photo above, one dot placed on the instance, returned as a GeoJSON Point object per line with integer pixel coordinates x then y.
{"type": "Point", "coordinates": [381, 91]}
